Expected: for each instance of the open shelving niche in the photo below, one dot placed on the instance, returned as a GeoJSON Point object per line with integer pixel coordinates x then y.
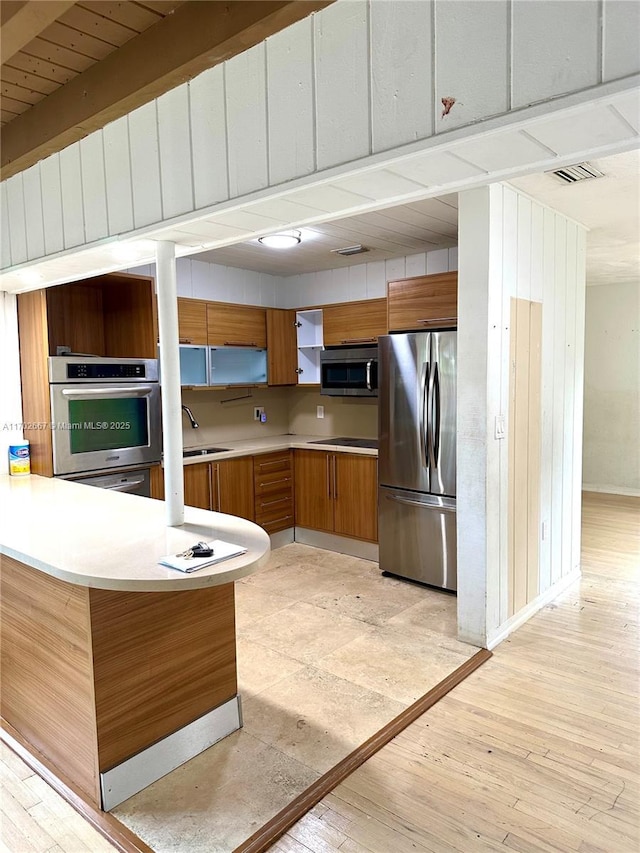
{"type": "Point", "coordinates": [310, 345]}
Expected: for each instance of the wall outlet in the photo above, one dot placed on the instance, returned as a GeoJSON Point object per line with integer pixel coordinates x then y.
{"type": "Point", "coordinates": [319, 411]}
{"type": "Point", "coordinates": [258, 412]}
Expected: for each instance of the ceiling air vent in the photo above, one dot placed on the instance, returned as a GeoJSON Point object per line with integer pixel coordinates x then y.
{"type": "Point", "coordinates": [350, 250]}
{"type": "Point", "coordinates": [577, 172]}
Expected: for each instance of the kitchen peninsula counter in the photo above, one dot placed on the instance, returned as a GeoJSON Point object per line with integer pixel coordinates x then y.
{"type": "Point", "coordinates": [115, 670]}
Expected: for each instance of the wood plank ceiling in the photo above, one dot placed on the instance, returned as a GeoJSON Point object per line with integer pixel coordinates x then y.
{"type": "Point", "coordinates": [69, 68]}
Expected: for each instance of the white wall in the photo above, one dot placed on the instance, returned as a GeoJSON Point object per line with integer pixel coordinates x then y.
{"type": "Point", "coordinates": [359, 78]}
{"type": "Point", "coordinates": [611, 453]}
{"type": "Point", "coordinates": [360, 281]}
{"type": "Point", "coordinates": [10, 395]}
{"type": "Point", "coordinates": [202, 280]}
{"type": "Point", "coordinates": [511, 246]}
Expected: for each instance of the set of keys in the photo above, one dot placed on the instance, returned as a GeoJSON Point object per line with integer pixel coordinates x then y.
{"type": "Point", "coordinates": [201, 549]}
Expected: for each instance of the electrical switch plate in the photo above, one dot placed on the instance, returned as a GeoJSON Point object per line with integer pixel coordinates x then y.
{"type": "Point", "coordinates": [499, 433]}
{"type": "Point", "coordinates": [258, 412]}
{"type": "Point", "coordinates": [319, 411]}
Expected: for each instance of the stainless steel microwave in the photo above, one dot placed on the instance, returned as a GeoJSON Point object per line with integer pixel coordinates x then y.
{"type": "Point", "coordinates": [105, 413]}
{"type": "Point", "coordinates": [349, 372]}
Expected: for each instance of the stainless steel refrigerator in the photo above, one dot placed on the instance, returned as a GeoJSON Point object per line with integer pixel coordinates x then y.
{"type": "Point", "coordinates": [417, 456]}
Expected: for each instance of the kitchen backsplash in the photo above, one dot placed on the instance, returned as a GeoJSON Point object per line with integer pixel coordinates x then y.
{"type": "Point", "coordinates": [233, 420]}
{"type": "Point", "coordinates": [291, 410]}
{"type": "Point", "coordinates": [342, 416]}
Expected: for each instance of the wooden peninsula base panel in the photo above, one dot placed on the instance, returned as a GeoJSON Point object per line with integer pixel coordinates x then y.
{"type": "Point", "coordinates": [91, 677]}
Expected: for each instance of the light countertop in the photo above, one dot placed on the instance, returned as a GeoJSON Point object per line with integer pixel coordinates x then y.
{"type": "Point", "coordinates": [269, 444]}
{"type": "Point", "coordinates": [97, 538]}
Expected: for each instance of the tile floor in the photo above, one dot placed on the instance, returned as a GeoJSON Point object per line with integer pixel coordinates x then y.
{"type": "Point", "coordinates": [329, 651]}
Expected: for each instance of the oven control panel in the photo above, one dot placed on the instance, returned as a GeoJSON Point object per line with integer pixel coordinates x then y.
{"type": "Point", "coordinates": [89, 370]}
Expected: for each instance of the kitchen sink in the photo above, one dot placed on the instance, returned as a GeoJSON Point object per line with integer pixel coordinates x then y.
{"type": "Point", "coordinates": [370, 443]}
{"type": "Point", "coordinates": [204, 452]}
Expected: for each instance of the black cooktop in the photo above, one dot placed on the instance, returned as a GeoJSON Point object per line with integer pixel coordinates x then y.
{"type": "Point", "coordinates": [370, 443]}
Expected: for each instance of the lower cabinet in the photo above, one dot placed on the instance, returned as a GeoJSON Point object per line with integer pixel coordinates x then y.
{"type": "Point", "coordinates": [337, 493]}
{"type": "Point", "coordinates": [225, 486]}
{"type": "Point", "coordinates": [273, 482]}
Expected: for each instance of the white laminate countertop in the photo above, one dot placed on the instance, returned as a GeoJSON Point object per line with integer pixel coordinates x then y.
{"type": "Point", "coordinates": [252, 446]}
{"type": "Point", "coordinates": [110, 540]}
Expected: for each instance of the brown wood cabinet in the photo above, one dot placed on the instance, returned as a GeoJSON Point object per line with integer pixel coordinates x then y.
{"type": "Point", "coordinates": [337, 493]}
{"type": "Point", "coordinates": [354, 322]}
{"type": "Point", "coordinates": [225, 486]}
{"type": "Point", "coordinates": [282, 356]}
{"type": "Point", "coordinates": [423, 302]}
{"type": "Point", "coordinates": [236, 325]}
{"type": "Point", "coordinates": [110, 315]}
{"type": "Point", "coordinates": [355, 495]}
{"type": "Point", "coordinates": [273, 481]}
{"type": "Point", "coordinates": [192, 321]}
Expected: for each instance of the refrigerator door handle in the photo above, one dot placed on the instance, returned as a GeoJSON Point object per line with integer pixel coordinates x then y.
{"type": "Point", "coordinates": [435, 417]}
{"type": "Point", "coordinates": [409, 502]}
{"type": "Point", "coordinates": [430, 418]}
{"type": "Point", "coordinates": [424, 416]}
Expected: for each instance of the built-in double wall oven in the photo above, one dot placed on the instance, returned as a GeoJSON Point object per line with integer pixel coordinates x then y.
{"type": "Point", "coordinates": [105, 414]}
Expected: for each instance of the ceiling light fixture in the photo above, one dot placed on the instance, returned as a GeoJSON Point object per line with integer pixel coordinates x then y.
{"type": "Point", "coordinates": [284, 240]}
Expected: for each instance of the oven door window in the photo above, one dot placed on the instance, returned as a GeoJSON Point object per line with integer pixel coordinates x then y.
{"type": "Point", "coordinates": [108, 424]}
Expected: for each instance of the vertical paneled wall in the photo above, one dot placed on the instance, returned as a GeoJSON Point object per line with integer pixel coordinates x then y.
{"type": "Point", "coordinates": [203, 280]}
{"type": "Point", "coordinates": [358, 78]}
{"type": "Point", "coordinates": [521, 291]}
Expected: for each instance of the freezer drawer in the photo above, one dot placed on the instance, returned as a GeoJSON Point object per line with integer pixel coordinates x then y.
{"type": "Point", "coordinates": [417, 537]}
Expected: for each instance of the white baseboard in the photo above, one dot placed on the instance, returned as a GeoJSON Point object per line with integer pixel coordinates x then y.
{"type": "Point", "coordinates": [611, 490]}
{"type": "Point", "coordinates": [139, 771]}
{"type": "Point", "coordinates": [528, 611]}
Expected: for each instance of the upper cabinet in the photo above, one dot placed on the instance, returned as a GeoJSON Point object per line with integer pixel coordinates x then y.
{"type": "Point", "coordinates": [192, 321]}
{"type": "Point", "coordinates": [236, 325]}
{"type": "Point", "coordinates": [423, 302]}
{"type": "Point", "coordinates": [282, 346]}
{"type": "Point", "coordinates": [354, 322]}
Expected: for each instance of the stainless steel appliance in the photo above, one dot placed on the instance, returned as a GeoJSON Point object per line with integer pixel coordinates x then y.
{"type": "Point", "coordinates": [136, 482]}
{"type": "Point", "coordinates": [105, 413]}
{"type": "Point", "coordinates": [349, 372]}
{"type": "Point", "coordinates": [417, 457]}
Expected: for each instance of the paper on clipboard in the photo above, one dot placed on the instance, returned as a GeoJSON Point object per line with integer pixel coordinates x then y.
{"type": "Point", "coordinates": [221, 551]}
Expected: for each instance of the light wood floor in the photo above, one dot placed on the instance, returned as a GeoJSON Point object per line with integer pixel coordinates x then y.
{"type": "Point", "coordinates": [537, 751]}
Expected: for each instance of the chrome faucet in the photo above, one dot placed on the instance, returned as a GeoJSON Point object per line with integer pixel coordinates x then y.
{"type": "Point", "coordinates": [194, 422]}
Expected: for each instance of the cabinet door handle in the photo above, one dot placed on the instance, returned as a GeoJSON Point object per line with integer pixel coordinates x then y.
{"type": "Point", "coordinates": [278, 520]}
{"type": "Point", "coordinates": [335, 478]}
{"type": "Point", "coordinates": [218, 487]}
{"type": "Point", "coordinates": [211, 506]}
{"type": "Point", "coordinates": [437, 320]}
{"type": "Point", "coordinates": [185, 341]}
{"type": "Point", "coordinates": [299, 370]}
{"type": "Point", "coordinates": [275, 482]}
{"type": "Point", "coordinates": [361, 340]}
{"type": "Point", "coordinates": [276, 501]}
{"type": "Point", "coordinates": [328, 477]}
{"type": "Point", "coordinates": [274, 462]}
{"type": "Point", "coordinates": [240, 344]}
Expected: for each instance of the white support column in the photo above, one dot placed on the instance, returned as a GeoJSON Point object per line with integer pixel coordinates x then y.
{"type": "Point", "coordinates": [170, 372]}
